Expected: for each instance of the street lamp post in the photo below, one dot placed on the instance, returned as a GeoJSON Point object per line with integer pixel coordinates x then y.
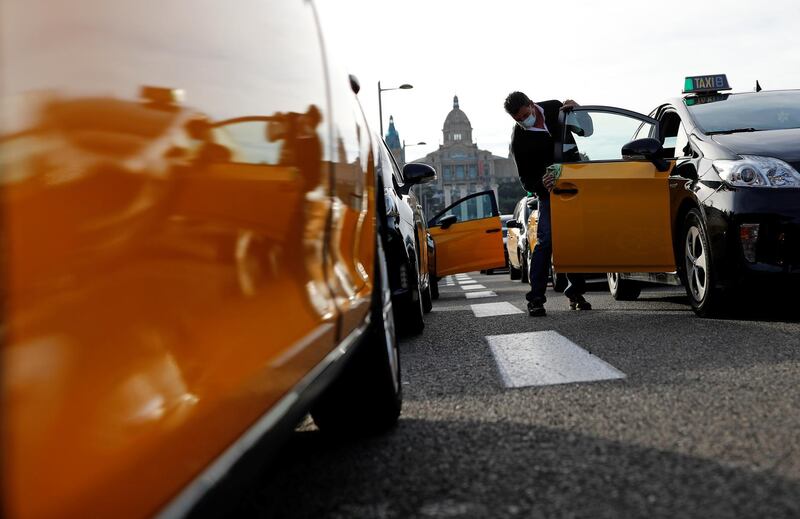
{"type": "Point", "coordinates": [420, 143]}
{"type": "Point", "coordinates": [404, 86]}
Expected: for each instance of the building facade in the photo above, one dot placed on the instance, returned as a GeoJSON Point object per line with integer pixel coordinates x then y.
{"type": "Point", "coordinates": [462, 168]}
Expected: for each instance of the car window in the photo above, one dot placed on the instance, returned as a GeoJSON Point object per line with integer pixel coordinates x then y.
{"type": "Point", "coordinates": [396, 171]}
{"type": "Point", "coordinates": [387, 168]}
{"type": "Point", "coordinates": [504, 220]}
{"type": "Point", "coordinates": [670, 126]}
{"type": "Point", "coordinates": [682, 148]}
{"type": "Point", "coordinates": [611, 131]}
{"type": "Point", "coordinates": [643, 132]}
{"type": "Point", "coordinates": [474, 207]}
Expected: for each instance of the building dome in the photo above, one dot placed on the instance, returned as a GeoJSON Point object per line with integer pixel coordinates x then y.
{"type": "Point", "coordinates": [456, 116]}
{"type": "Point", "coordinates": [457, 128]}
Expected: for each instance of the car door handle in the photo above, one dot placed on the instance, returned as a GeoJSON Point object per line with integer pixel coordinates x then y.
{"type": "Point", "coordinates": [565, 191]}
{"type": "Point", "coordinates": [492, 230]}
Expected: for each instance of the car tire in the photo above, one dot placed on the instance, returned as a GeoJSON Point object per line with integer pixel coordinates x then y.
{"type": "Point", "coordinates": [367, 396]}
{"type": "Point", "coordinates": [623, 289]}
{"type": "Point", "coordinates": [434, 286]}
{"type": "Point", "coordinates": [413, 320]}
{"type": "Point", "coordinates": [427, 299]}
{"type": "Point", "coordinates": [699, 269]}
{"type": "Point", "coordinates": [523, 262]}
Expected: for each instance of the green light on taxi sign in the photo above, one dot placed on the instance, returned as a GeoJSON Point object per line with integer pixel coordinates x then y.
{"type": "Point", "coordinates": [702, 100]}
{"type": "Point", "coordinates": [705, 84]}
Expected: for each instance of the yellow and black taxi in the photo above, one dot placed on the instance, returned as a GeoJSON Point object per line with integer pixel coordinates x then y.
{"type": "Point", "coordinates": [406, 240]}
{"type": "Point", "coordinates": [416, 174]}
{"type": "Point", "coordinates": [192, 252]}
{"type": "Point", "coordinates": [705, 187]}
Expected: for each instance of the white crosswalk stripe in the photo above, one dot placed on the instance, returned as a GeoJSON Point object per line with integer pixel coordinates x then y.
{"type": "Point", "coordinates": [494, 309]}
{"type": "Point", "coordinates": [478, 295]}
{"type": "Point", "coordinates": [546, 358]}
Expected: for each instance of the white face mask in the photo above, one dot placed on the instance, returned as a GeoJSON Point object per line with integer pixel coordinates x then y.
{"type": "Point", "coordinates": [530, 121]}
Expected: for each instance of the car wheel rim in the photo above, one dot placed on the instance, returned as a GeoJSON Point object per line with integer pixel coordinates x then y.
{"type": "Point", "coordinates": [388, 322]}
{"type": "Point", "coordinates": [696, 264]}
{"type": "Point", "coordinates": [613, 280]}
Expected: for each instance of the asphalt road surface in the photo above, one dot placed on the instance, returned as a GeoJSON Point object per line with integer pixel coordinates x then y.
{"type": "Point", "coordinates": [634, 409]}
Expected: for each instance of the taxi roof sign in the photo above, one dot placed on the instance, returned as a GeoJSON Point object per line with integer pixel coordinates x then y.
{"type": "Point", "coordinates": [705, 84]}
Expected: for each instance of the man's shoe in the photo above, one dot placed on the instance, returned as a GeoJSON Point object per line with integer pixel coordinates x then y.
{"type": "Point", "coordinates": [536, 309]}
{"type": "Point", "coordinates": [579, 303]}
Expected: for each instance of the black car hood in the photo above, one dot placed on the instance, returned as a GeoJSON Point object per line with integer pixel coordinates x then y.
{"type": "Point", "coordinates": [781, 144]}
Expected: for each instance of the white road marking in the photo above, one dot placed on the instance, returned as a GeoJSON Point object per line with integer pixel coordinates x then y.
{"type": "Point", "coordinates": [478, 295]}
{"type": "Point", "coordinates": [546, 358]}
{"type": "Point", "coordinates": [467, 282]}
{"type": "Point", "coordinates": [493, 309]}
{"type": "Point", "coordinates": [450, 308]}
{"type": "Point", "coordinates": [473, 287]}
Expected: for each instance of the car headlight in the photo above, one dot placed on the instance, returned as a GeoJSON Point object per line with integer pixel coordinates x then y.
{"type": "Point", "coordinates": [756, 171]}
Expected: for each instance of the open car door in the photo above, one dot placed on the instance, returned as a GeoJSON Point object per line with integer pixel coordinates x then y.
{"type": "Point", "coordinates": [468, 235]}
{"type": "Point", "coordinates": [610, 210]}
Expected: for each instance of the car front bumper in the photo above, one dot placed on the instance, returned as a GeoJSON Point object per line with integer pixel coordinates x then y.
{"type": "Point", "coordinates": [755, 234]}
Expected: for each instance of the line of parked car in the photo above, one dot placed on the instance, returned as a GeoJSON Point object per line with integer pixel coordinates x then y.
{"type": "Point", "coordinates": [461, 238]}
{"type": "Point", "coordinates": [198, 249]}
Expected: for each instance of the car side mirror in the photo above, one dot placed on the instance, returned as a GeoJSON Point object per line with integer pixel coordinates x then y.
{"type": "Point", "coordinates": [415, 173]}
{"type": "Point", "coordinates": [448, 220]}
{"type": "Point", "coordinates": [649, 149]}
{"type": "Point", "coordinates": [513, 224]}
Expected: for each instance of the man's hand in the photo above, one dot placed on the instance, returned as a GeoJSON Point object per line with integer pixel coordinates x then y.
{"type": "Point", "coordinates": [549, 181]}
{"type": "Point", "coordinates": [568, 105]}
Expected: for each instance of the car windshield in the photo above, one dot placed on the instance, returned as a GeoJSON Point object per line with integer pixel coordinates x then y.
{"type": "Point", "coordinates": [749, 112]}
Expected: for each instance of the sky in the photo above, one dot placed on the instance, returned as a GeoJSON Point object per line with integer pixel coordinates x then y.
{"type": "Point", "coordinates": [630, 54]}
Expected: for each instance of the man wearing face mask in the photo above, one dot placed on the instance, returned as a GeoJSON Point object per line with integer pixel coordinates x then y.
{"type": "Point", "coordinates": [532, 145]}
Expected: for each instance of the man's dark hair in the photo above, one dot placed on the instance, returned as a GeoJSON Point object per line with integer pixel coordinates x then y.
{"type": "Point", "coordinates": [515, 101]}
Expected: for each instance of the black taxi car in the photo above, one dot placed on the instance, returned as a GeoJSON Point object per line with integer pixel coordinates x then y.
{"type": "Point", "coordinates": [406, 240]}
{"type": "Point", "coordinates": [704, 188]}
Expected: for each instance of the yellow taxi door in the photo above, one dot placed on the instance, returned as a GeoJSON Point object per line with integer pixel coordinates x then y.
{"type": "Point", "coordinates": [468, 235]}
{"type": "Point", "coordinates": [610, 213]}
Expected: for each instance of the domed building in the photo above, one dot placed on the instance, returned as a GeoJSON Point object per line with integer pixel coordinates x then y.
{"type": "Point", "coordinates": [462, 168]}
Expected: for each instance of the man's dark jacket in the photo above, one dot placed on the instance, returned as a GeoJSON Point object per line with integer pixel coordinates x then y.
{"type": "Point", "coordinates": [533, 150]}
